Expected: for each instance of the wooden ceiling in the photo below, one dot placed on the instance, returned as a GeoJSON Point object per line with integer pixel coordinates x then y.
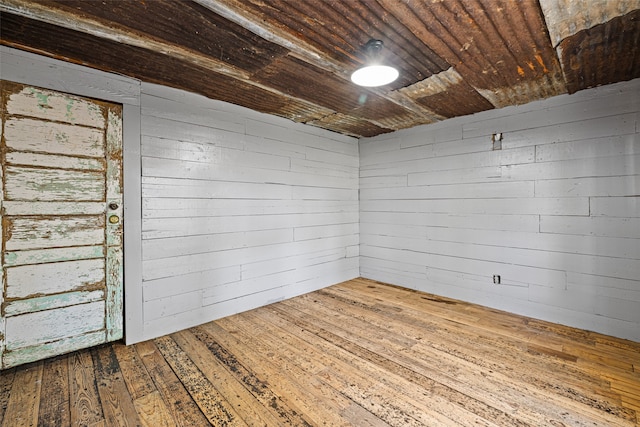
{"type": "Point", "coordinates": [293, 58]}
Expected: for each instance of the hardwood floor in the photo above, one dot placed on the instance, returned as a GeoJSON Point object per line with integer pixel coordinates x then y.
{"type": "Point", "coordinates": [359, 353]}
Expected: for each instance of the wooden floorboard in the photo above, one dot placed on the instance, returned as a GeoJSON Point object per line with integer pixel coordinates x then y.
{"type": "Point", "coordinates": [360, 353]}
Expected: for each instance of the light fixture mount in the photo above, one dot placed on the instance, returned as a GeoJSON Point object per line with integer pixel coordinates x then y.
{"type": "Point", "coordinates": [372, 48]}
{"type": "Point", "coordinates": [374, 73]}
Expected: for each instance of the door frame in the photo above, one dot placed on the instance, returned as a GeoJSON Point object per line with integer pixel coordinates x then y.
{"type": "Point", "coordinates": [31, 69]}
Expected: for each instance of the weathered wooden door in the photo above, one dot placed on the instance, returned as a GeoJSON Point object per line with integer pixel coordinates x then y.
{"type": "Point", "coordinates": [61, 206]}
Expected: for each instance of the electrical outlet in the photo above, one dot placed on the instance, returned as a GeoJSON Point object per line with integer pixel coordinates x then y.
{"type": "Point", "coordinates": [496, 279]}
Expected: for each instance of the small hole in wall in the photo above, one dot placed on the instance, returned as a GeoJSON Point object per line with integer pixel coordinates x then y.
{"type": "Point", "coordinates": [496, 140]}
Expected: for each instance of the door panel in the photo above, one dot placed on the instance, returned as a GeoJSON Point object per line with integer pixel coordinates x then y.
{"type": "Point", "coordinates": [53, 278]}
{"type": "Point", "coordinates": [61, 223]}
{"type": "Point", "coordinates": [33, 135]}
{"type": "Point", "coordinates": [37, 232]}
{"type": "Point", "coordinates": [66, 299]}
{"type": "Point", "coordinates": [39, 256]}
{"type": "Point", "coordinates": [78, 319]}
{"type": "Point", "coordinates": [54, 106]}
{"type": "Point", "coordinates": [36, 184]}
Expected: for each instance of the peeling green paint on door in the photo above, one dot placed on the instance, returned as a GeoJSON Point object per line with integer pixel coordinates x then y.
{"type": "Point", "coordinates": [61, 269]}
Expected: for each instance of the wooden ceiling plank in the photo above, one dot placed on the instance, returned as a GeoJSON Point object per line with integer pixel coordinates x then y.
{"type": "Point", "coordinates": [600, 35]}
{"type": "Point", "coordinates": [368, 20]}
{"type": "Point", "coordinates": [411, 43]}
{"type": "Point", "coordinates": [447, 93]}
{"type": "Point", "coordinates": [503, 65]}
{"type": "Point", "coordinates": [183, 23]}
{"type": "Point", "coordinates": [501, 51]}
{"type": "Point", "coordinates": [568, 17]}
{"type": "Point", "coordinates": [110, 32]}
{"type": "Point", "coordinates": [433, 33]}
{"type": "Point", "coordinates": [604, 59]}
{"type": "Point", "coordinates": [235, 12]}
{"type": "Point", "coordinates": [238, 12]}
{"type": "Point", "coordinates": [426, 23]}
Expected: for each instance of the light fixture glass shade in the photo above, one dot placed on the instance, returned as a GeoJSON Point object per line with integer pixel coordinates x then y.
{"type": "Point", "coordinates": [374, 75]}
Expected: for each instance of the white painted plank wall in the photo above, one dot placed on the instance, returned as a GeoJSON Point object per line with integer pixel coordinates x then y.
{"type": "Point", "coordinates": [585, 207]}
{"type": "Point", "coordinates": [239, 209]}
{"type": "Point", "coordinates": [555, 212]}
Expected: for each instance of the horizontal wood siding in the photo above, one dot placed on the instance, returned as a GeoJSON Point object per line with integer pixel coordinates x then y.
{"type": "Point", "coordinates": [239, 209]}
{"type": "Point", "coordinates": [554, 212]}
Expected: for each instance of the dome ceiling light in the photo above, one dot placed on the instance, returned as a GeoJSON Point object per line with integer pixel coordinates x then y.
{"type": "Point", "coordinates": [374, 73]}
